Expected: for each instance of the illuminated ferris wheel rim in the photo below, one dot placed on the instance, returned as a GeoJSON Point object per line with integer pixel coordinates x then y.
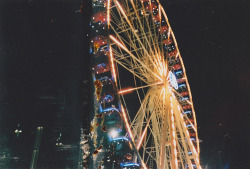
{"type": "Point", "coordinates": [161, 73]}
{"type": "Point", "coordinates": [168, 73]}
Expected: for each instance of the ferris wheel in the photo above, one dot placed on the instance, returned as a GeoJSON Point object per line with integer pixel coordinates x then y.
{"type": "Point", "coordinates": [143, 50]}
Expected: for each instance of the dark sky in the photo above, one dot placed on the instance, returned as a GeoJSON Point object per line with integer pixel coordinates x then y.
{"type": "Point", "coordinates": [43, 49]}
{"type": "Point", "coordinates": [43, 61]}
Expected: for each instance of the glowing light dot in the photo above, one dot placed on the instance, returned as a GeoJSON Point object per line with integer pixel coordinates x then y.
{"type": "Point", "coordinates": [173, 125]}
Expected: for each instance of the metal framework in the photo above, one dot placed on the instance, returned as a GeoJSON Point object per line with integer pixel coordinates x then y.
{"type": "Point", "coordinates": [141, 42]}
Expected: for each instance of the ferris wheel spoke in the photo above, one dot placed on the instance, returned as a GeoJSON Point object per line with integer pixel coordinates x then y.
{"type": "Point", "coordinates": [154, 35]}
{"type": "Point", "coordinates": [138, 75]}
{"type": "Point", "coordinates": [134, 32]}
{"type": "Point", "coordinates": [137, 25]}
{"type": "Point", "coordinates": [147, 120]}
{"type": "Point", "coordinates": [134, 57]}
{"type": "Point", "coordinates": [149, 39]}
{"type": "Point", "coordinates": [141, 119]}
{"type": "Point", "coordinates": [129, 62]}
{"type": "Point", "coordinates": [136, 88]}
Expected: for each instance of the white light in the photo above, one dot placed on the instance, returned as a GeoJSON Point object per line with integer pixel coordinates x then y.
{"type": "Point", "coordinates": [173, 80]}
{"type": "Point", "coordinates": [113, 133]}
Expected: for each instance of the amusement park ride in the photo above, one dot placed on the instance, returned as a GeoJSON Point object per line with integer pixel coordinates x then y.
{"type": "Point", "coordinates": [132, 41]}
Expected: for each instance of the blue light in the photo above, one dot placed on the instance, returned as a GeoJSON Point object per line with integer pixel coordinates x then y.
{"type": "Point", "coordinates": [184, 98]}
{"type": "Point", "coordinates": [182, 85]}
{"type": "Point", "coordinates": [173, 80]}
{"type": "Point", "coordinates": [120, 138]}
{"type": "Point", "coordinates": [187, 112]}
{"type": "Point", "coordinates": [103, 78]}
{"type": "Point", "coordinates": [131, 164]}
{"type": "Point", "coordinates": [178, 72]}
{"type": "Point", "coordinates": [109, 109]}
{"type": "Point", "coordinates": [90, 50]}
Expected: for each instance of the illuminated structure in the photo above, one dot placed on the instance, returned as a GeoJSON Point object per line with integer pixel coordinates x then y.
{"type": "Point", "coordinates": [132, 40]}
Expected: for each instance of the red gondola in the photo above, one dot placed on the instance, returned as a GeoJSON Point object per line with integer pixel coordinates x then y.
{"type": "Point", "coordinates": [100, 17]}
{"type": "Point", "coordinates": [176, 67]}
{"type": "Point", "coordinates": [186, 107]}
{"type": "Point", "coordinates": [192, 134]}
{"type": "Point", "coordinates": [100, 40]}
{"type": "Point", "coordinates": [191, 120]}
{"type": "Point", "coordinates": [184, 93]}
{"type": "Point", "coordinates": [151, 7]}
{"type": "Point", "coordinates": [156, 18]}
{"type": "Point", "coordinates": [173, 53]}
{"type": "Point", "coordinates": [167, 41]}
{"type": "Point", "coordinates": [163, 29]}
{"type": "Point", "coordinates": [181, 80]}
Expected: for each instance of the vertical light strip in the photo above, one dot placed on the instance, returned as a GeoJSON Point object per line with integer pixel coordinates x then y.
{"type": "Point", "coordinates": [112, 62]}
{"type": "Point", "coordinates": [174, 151]}
{"type": "Point", "coordinates": [108, 13]}
{"type": "Point", "coordinates": [169, 31]}
{"type": "Point", "coordinates": [159, 7]}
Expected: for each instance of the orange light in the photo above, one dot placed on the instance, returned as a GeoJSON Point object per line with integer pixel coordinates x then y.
{"type": "Point", "coordinates": [126, 91]}
{"type": "Point", "coordinates": [130, 132]}
{"type": "Point", "coordinates": [175, 144]}
{"type": "Point", "coordinates": [159, 12]}
{"type": "Point", "coordinates": [128, 21]}
{"type": "Point", "coordinates": [119, 44]}
{"type": "Point", "coordinates": [131, 89]}
{"type": "Point", "coordinates": [142, 136]}
{"type": "Point", "coordinates": [118, 4]}
{"type": "Point", "coordinates": [127, 124]}
{"type": "Point", "coordinates": [144, 165]}
{"type": "Point", "coordinates": [108, 13]}
{"type": "Point", "coordinates": [176, 162]}
{"type": "Point", "coordinates": [112, 62]}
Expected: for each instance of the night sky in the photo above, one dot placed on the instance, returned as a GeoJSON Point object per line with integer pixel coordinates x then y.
{"type": "Point", "coordinates": [44, 52]}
